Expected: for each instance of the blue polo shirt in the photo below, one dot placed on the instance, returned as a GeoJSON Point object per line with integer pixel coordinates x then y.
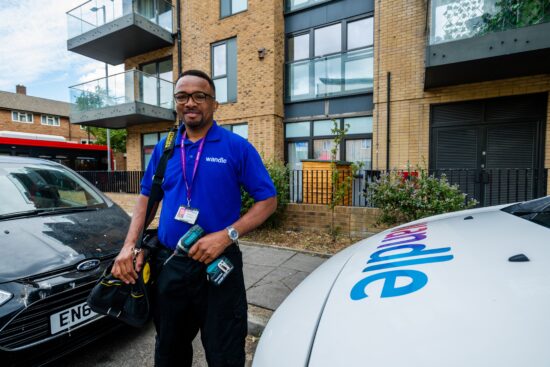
{"type": "Point", "coordinates": [228, 162]}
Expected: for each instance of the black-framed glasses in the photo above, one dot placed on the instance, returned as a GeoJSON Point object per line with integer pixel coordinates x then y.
{"type": "Point", "coordinates": [198, 97]}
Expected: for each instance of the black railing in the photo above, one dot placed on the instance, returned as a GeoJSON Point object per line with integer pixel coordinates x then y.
{"type": "Point", "coordinates": [487, 186]}
{"type": "Point", "coordinates": [115, 181]}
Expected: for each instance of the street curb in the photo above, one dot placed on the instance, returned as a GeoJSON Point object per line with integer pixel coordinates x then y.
{"type": "Point", "coordinates": [307, 252]}
{"type": "Point", "coordinates": [257, 319]}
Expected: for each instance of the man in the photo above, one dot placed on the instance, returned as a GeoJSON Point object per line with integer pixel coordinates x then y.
{"type": "Point", "coordinates": [202, 183]}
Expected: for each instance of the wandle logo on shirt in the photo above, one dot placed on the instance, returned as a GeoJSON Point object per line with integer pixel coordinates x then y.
{"type": "Point", "coordinates": [216, 160]}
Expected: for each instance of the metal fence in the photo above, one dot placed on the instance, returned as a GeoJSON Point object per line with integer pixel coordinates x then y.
{"type": "Point", "coordinates": [115, 181]}
{"type": "Point", "coordinates": [487, 186]}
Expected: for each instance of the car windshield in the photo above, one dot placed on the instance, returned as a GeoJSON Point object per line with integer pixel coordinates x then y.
{"type": "Point", "coordinates": [31, 189]}
{"type": "Point", "coordinates": [536, 211]}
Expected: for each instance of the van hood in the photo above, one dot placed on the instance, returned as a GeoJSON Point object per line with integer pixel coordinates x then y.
{"type": "Point", "coordinates": [34, 245]}
{"type": "Point", "coordinates": [456, 299]}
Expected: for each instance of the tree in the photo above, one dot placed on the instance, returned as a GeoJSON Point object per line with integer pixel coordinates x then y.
{"type": "Point", "coordinates": [118, 138]}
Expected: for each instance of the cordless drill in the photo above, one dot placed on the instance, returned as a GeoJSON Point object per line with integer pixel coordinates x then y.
{"type": "Point", "coordinates": [217, 270]}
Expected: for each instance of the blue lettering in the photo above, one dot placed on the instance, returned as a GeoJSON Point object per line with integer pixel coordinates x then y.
{"type": "Point", "coordinates": [418, 280]}
{"type": "Point", "coordinates": [416, 250]}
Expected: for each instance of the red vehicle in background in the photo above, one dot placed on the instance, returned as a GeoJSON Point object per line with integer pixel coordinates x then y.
{"type": "Point", "coordinates": [79, 157]}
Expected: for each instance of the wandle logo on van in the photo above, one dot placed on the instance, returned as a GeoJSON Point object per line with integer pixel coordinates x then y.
{"type": "Point", "coordinates": [401, 244]}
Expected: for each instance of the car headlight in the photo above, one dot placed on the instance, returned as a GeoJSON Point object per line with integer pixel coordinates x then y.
{"type": "Point", "coordinates": [4, 297]}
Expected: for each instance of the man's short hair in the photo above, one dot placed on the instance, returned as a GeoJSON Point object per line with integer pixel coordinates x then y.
{"type": "Point", "coordinates": [200, 74]}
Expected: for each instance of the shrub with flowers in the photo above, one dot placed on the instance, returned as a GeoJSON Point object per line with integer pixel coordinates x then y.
{"type": "Point", "coordinates": [404, 196]}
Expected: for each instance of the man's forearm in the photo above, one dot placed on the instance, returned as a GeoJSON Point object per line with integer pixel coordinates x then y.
{"type": "Point", "coordinates": [256, 215]}
{"type": "Point", "coordinates": [138, 219]}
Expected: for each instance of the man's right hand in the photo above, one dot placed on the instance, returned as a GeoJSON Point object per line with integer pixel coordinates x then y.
{"type": "Point", "coordinates": [123, 268]}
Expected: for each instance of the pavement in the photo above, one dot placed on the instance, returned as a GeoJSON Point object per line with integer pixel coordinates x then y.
{"type": "Point", "coordinates": [270, 274]}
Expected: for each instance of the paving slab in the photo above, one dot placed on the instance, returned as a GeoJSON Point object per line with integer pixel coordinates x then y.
{"type": "Point", "coordinates": [268, 296]}
{"type": "Point", "coordinates": [303, 262]}
{"type": "Point", "coordinates": [265, 255]}
{"type": "Point", "coordinates": [254, 273]}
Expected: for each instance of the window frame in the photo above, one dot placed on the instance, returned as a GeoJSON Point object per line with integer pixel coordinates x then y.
{"type": "Point", "coordinates": [230, 127]}
{"type": "Point", "coordinates": [231, 13]}
{"type": "Point", "coordinates": [57, 120]}
{"type": "Point", "coordinates": [230, 68]}
{"type": "Point", "coordinates": [312, 58]}
{"type": "Point", "coordinates": [31, 121]}
{"type": "Point", "coordinates": [311, 137]}
{"type": "Point", "coordinates": [143, 146]}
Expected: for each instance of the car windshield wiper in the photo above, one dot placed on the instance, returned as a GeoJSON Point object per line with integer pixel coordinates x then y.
{"type": "Point", "coordinates": [74, 209]}
{"type": "Point", "coordinates": [46, 211]}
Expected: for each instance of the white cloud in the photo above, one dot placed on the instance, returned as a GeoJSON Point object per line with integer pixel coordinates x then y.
{"type": "Point", "coordinates": [33, 45]}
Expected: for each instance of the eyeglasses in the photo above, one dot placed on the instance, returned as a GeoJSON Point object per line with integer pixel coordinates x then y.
{"type": "Point", "coordinates": [198, 97]}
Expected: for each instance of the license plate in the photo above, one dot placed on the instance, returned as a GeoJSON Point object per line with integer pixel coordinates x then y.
{"type": "Point", "coordinates": [70, 317]}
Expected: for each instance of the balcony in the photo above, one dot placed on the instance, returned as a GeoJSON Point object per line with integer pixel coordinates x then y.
{"type": "Point", "coordinates": [330, 76]}
{"type": "Point", "coordinates": [122, 100]}
{"type": "Point", "coordinates": [114, 30]}
{"type": "Point", "coordinates": [481, 40]}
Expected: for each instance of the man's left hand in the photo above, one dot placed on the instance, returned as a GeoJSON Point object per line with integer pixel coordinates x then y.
{"type": "Point", "coordinates": [210, 247]}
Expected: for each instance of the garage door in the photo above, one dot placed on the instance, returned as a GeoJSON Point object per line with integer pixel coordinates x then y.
{"type": "Point", "coordinates": [493, 149]}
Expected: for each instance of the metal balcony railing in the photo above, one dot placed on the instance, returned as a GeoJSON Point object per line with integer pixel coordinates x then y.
{"type": "Point", "coordinates": [95, 13]}
{"type": "Point", "coordinates": [127, 87]}
{"type": "Point", "coordinates": [344, 73]}
{"type": "Point", "coordinates": [461, 19]}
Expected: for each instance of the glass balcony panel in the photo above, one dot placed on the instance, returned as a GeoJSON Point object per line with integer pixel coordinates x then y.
{"type": "Point", "coordinates": [357, 64]}
{"type": "Point", "coordinates": [348, 72]}
{"type": "Point", "coordinates": [299, 79]}
{"type": "Point", "coordinates": [95, 13]}
{"type": "Point", "coordinates": [128, 87]}
{"type": "Point", "coordinates": [454, 20]}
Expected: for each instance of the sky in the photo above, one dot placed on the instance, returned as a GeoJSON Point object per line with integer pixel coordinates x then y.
{"type": "Point", "coordinates": [33, 49]}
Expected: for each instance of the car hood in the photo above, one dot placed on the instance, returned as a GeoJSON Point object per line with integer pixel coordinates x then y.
{"type": "Point", "coordinates": [39, 244]}
{"type": "Point", "coordinates": [453, 299]}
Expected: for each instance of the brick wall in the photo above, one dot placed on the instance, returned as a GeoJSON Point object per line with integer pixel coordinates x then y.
{"type": "Point", "coordinates": [400, 41]}
{"type": "Point", "coordinates": [259, 81]}
{"type": "Point", "coordinates": [69, 131]}
{"type": "Point", "coordinates": [303, 217]}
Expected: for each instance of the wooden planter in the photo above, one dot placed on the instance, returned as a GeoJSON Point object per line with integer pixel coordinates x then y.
{"type": "Point", "coordinates": [317, 181]}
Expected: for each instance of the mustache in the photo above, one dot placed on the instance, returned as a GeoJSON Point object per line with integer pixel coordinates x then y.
{"type": "Point", "coordinates": [192, 110]}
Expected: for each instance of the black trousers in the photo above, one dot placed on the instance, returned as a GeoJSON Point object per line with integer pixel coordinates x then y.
{"type": "Point", "coordinates": [186, 302]}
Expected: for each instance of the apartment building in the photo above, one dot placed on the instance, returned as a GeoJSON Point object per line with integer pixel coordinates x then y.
{"type": "Point", "coordinates": [26, 114]}
{"type": "Point", "coordinates": [458, 86]}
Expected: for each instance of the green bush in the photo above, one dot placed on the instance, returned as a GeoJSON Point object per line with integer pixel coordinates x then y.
{"type": "Point", "coordinates": [407, 196]}
{"type": "Point", "coordinates": [279, 174]}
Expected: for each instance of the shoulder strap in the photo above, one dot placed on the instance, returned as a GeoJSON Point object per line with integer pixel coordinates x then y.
{"type": "Point", "coordinates": [156, 190]}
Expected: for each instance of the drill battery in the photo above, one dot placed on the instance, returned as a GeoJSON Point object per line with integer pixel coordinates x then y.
{"type": "Point", "coordinates": [218, 270]}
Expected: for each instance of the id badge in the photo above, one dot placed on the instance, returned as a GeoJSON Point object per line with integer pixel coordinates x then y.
{"type": "Point", "coordinates": [187, 214]}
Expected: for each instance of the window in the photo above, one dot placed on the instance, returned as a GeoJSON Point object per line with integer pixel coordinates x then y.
{"type": "Point", "coordinates": [224, 70]}
{"type": "Point", "coordinates": [292, 5]}
{"type": "Point", "coordinates": [315, 140]}
{"type": "Point", "coordinates": [330, 60]}
{"type": "Point", "coordinates": [149, 141]}
{"type": "Point", "coordinates": [49, 120]}
{"type": "Point", "coordinates": [157, 88]}
{"type": "Point", "coordinates": [239, 129]}
{"type": "Point", "coordinates": [230, 7]}
{"type": "Point", "coordinates": [25, 117]}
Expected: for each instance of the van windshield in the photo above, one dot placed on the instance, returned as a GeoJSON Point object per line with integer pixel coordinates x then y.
{"type": "Point", "coordinates": [536, 211]}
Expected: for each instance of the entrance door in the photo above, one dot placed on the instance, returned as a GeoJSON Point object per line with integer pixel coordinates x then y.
{"type": "Point", "coordinates": [492, 148]}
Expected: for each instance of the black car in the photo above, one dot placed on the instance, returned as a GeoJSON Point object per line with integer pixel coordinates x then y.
{"type": "Point", "coordinates": [57, 235]}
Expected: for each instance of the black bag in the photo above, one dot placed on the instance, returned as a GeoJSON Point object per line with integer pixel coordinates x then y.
{"type": "Point", "coordinates": [129, 303]}
{"type": "Point", "coordinates": [132, 303]}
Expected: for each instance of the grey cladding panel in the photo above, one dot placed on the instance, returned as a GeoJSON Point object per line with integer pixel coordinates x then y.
{"type": "Point", "coordinates": [326, 13]}
{"type": "Point", "coordinates": [361, 103]}
{"type": "Point", "coordinates": [313, 108]}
